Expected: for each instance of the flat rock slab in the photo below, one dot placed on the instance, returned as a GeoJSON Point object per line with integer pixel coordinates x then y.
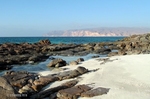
{"type": "Point", "coordinates": [73, 93]}
{"type": "Point", "coordinates": [95, 92]}
{"type": "Point", "coordinates": [81, 91]}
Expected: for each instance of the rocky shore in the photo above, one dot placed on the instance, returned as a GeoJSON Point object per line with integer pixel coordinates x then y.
{"type": "Point", "coordinates": [31, 53]}
{"type": "Point", "coordinates": [25, 53]}
{"type": "Point", "coordinates": [23, 84]}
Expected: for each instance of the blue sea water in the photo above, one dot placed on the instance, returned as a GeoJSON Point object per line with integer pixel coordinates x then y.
{"type": "Point", "coordinates": [57, 40]}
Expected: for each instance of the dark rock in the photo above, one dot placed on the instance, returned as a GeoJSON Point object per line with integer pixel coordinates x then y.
{"type": "Point", "coordinates": [37, 57]}
{"type": "Point", "coordinates": [5, 67]}
{"type": "Point", "coordinates": [53, 96]}
{"type": "Point", "coordinates": [88, 47]}
{"type": "Point", "coordinates": [135, 44]}
{"type": "Point", "coordinates": [44, 80]}
{"type": "Point", "coordinates": [95, 56]}
{"type": "Point", "coordinates": [95, 92]}
{"type": "Point", "coordinates": [23, 82]}
{"type": "Point", "coordinates": [83, 53]}
{"type": "Point", "coordinates": [6, 90]}
{"type": "Point", "coordinates": [19, 79]}
{"type": "Point", "coordinates": [57, 63]}
{"type": "Point", "coordinates": [53, 91]}
{"type": "Point", "coordinates": [71, 74]}
{"type": "Point", "coordinates": [80, 60]}
{"type": "Point", "coordinates": [36, 88]}
{"type": "Point", "coordinates": [82, 70]}
{"type": "Point", "coordinates": [73, 93]}
{"type": "Point", "coordinates": [112, 54]}
{"type": "Point", "coordinates": [81, 91]}
{"type": "Point", "coordinates": [44, 42]}
{"type": "Point", "coordinates": [102, 51]}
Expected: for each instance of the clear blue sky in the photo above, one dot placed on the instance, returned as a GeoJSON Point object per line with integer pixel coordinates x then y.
{"type": "Point", "coordinates": [37, 17]}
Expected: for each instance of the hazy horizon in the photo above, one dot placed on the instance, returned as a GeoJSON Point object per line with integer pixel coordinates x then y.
{"type": "Point", "coordinates": [36, 17]}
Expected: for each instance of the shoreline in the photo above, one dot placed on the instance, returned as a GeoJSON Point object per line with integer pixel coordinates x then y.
{"type": "Point", "coordinates": [42, 66]}
{"type": "Point", "coordinates": [126, 76]}
{"type": "Point", "coordinates": [123, 74]}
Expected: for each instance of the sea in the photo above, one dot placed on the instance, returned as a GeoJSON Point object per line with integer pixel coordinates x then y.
{"type": "Point", "coordinates": [42, 66]}
{"type": "Point", "coordinates": [57, 40]}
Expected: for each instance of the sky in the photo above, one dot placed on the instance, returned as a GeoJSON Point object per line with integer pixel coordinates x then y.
{"type": "Point", "coordinates": [37, 17]}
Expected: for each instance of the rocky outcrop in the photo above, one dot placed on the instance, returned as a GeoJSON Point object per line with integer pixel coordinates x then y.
{"type": "Point", "coordinates": [23, 53]}
{"type": "Point", "coordinates": [136, 44]}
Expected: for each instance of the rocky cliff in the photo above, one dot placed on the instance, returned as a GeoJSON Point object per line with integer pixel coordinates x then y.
{"type": "Point", "coordinates": [100, 32]}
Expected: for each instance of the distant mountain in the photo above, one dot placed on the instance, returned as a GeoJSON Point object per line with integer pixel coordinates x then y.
{"type": "Point", "coordinates": [98, 32]}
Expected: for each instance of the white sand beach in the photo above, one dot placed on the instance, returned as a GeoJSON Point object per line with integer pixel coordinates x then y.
{"type": "Point", "coordinates": [128, 77]}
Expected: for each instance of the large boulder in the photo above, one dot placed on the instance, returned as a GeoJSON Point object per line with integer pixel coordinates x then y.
{"type": "Point", "coordinates": [82, 70]}
{"type": "Point", "coordinates": [58, 62]}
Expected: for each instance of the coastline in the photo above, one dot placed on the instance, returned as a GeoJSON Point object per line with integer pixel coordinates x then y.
{"type": "Point", "coordinates": [123, 74]}
{"type": "Point", "coordinates": [126, 76]}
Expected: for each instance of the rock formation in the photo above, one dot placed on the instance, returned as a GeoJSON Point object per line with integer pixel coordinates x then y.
{"type": "Point", "coordinates": [99, 32]}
